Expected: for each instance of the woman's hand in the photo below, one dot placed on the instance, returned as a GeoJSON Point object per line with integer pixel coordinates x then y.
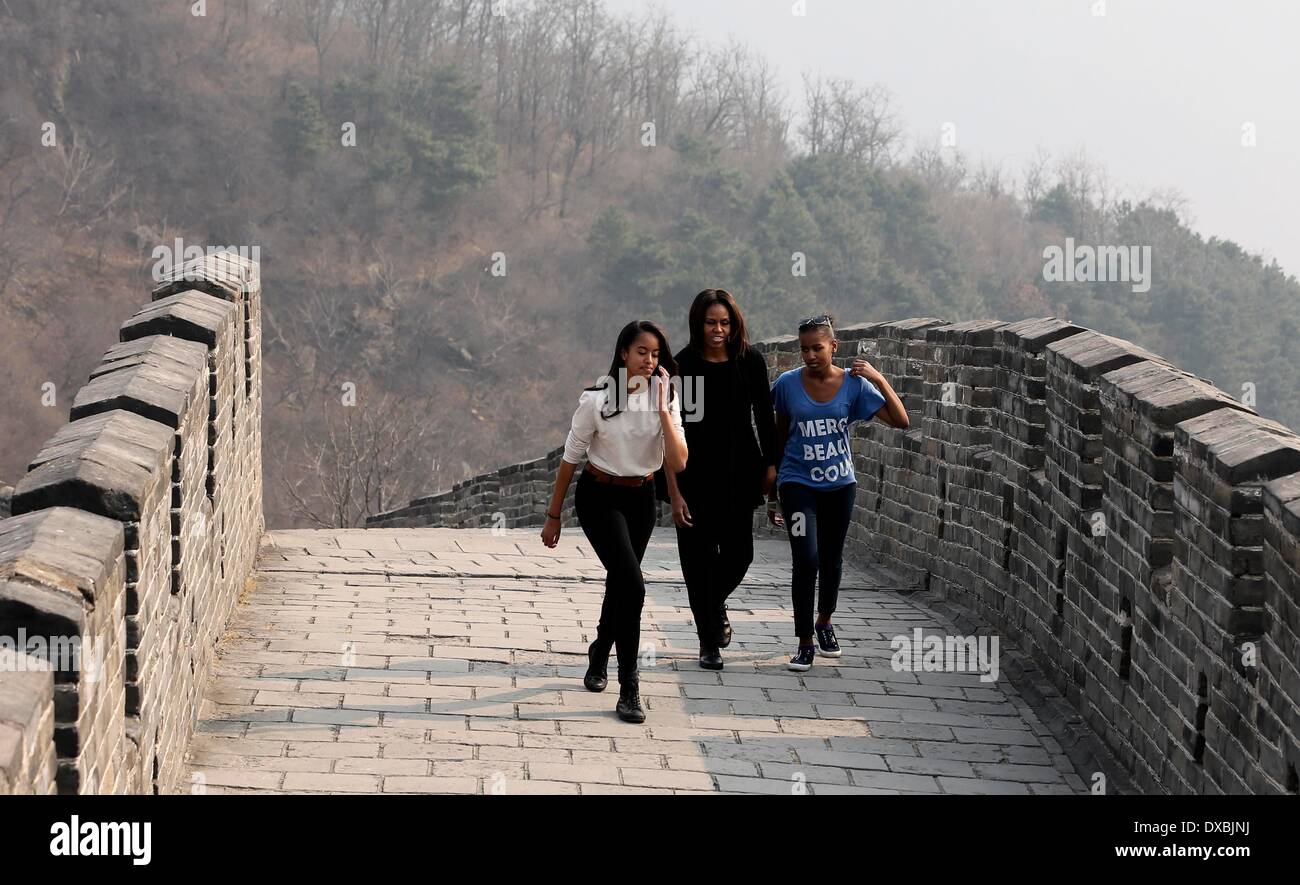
{"type": "Point", "coordinates": [681, 513]}
{"type": "Point", "coordinates": [769, 481]}
{"type": "Point", "coordinates": [675, 451]}
{"type": "Point", "coordinates": [774, 515]}
{"type": "Point", "coordinates": [551, 532]}
{"type": "Point", "coordinates": [864, 369]}
{"type": "Point", "coordinates": [664, 382]}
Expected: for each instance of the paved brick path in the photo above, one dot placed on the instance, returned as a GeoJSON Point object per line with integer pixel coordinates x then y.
{"type": "Point", "coordinates": [445, 661]}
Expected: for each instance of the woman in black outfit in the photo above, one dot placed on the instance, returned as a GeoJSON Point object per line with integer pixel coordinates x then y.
{"type": "Point", "coordinates": [730, 473]}
{"type": "Point", "coordinates": [627, 426]}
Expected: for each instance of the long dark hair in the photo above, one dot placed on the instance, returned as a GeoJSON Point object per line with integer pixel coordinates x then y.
{"type": "Point", "coordinates": [630, 333]}
{"type": "Point", "coordinates": [738, 342]}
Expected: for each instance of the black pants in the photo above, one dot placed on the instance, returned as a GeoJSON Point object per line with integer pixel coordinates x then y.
{"type": "Point", "coordinates": [817, 522]}
{"type": "Point", "coordinates": [716, 552]}
{"type": "Point", "coordinates": [618, 521]}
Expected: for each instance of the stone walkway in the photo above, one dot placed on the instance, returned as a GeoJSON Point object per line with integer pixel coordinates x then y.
{"type": "Point", "coordinates": [448, 661]}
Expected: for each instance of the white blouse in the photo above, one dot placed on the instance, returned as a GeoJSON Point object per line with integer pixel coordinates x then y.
{"type": "Point", "coordinates": [629, 444]}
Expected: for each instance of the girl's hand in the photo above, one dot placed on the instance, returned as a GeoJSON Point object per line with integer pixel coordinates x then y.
{"type": "Point", "coordinates": [681, 513]}
{"type": "Point", "coordinates": [551, 532]}
{"type": "Point", "coordinates": [864, 369]}
{"type": "Point", "coordinates": [774, 516]}
{"type": "Point", "coordinates": [664, 382]}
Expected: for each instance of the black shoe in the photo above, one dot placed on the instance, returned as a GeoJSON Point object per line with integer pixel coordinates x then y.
{"type": "Point", "coordinates": [804, 659]}
{"type": "Point", "coordinates": [724, 628]}
{"type": "Point", "coordinates": [597, 677]}
{"type": "Point", "coordinates": [830, 647]}
{"type": "Point", "coordinates": [629, 703]}
{"type": "Point", "coordinates": [710, 659]}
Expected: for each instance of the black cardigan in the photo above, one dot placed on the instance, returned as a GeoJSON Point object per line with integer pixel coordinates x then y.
{"type": "Point", "coordinates": [750, 457]}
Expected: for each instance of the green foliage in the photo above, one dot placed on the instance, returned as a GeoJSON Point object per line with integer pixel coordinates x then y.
{"type": "Point", "coordinates": [300, 130]}
{"type": "Point", "coordinates": [714, 186]}
{"type": "Point", "coordinates": [1056, 208]}
{"type": "Point", "coordinates": [423, 132]}
{"type": "Point", "coordinates": [868, 246]}
{"type": "Point", "coordinates": [659, 277]}
{"type": "Point", "coordinates": [611, 233]}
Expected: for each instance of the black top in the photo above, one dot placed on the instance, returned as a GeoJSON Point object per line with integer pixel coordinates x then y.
{"type": "Point", "coordinates": [726, 462]}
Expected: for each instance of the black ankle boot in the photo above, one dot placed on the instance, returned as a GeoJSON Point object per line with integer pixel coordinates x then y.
{"type": "Point", "coordinates": [629, 702]}
{"type": "Point", "coordinates": [597, 677]}
{"type": "Point", "coordinates": [710, 659]}
{"type": "Point", "coordinates": [724, 628]}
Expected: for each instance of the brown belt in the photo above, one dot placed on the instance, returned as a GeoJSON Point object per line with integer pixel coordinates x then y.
{"type": "Point", "coordinates": [601, 476]}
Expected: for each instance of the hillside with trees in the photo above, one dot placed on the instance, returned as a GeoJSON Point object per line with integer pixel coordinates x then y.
{"type": "Point", "coordinates": [458, 203]}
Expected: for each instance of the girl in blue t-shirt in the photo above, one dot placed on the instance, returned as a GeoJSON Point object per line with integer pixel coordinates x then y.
{"type": "Point", "coordinates": [815, 482]}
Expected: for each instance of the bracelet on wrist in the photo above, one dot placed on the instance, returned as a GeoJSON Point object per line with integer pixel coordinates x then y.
{"type": "Point", "coordinates": [551, 516]}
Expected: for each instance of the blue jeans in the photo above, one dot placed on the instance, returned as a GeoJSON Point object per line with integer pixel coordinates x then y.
{"type": "Point", "coordinates": [817, 521]}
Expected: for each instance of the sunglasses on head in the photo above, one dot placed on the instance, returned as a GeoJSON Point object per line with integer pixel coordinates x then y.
{"type": "Point", "coordinates": [812, 322]}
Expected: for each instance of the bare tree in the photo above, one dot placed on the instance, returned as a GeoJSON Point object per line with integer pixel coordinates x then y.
{"type": "Point", "coordinates": [734, 100]}
{"type": "Point", "coordinates": [1173, 200]}
{"type": "Point", "coordinates": [380, 21]}
{"type": "Point", "coordinates": [763, 110]}
{"type": "Point", "coordinates": [17, 186]}
{"type": "Point", "coordinates": [364, 460]}
{"type": "Point", "coordinates": [488, 323]}
{"type": "Point", "coordinates": [581, 36]}
{"type": "Point", "coordinates": [815, 130]}
{"type": "Point", "coordinates": [72, 171]}
{"type": "Point", "coordinates": [323, 334]}
{"type": "Point", "coordinates": [848, 120]}
{"type": "Point", "coordinates": [660, 87]}
{"type": "Point", "coordinates": [943, 171]}
{"type": "Point", "coordinates": [233, 33]}
{"type": "Point", "coordinates": [320, 20]}
{"type": "Point", "coordinates": [712, 100]}
{"type": "Point", "coordinates": [1035, 179]}
{"type": "Point", "coordinates": [533, 76]}
{"type": "Point", "coordinates": [990, 180]}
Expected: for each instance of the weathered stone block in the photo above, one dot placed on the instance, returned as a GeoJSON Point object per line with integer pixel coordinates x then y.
{"type": "Point", "coordinates": [62, 579]}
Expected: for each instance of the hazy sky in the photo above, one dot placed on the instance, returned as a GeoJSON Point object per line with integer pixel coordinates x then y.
{"type": "Point", "coordinates": [1157, 91]}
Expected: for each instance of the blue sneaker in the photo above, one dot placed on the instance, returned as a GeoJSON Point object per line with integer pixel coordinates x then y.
{"type": "Point", "coordinates": [804, 659]}
{"type": "Point", "coordinates": [826, 639]}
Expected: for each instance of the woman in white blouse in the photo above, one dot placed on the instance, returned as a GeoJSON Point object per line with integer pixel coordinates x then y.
{"type": "Point", "coordinates": [628, 426]}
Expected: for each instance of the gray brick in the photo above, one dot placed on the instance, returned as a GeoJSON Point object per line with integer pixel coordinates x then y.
{"type": "Point", "coordinates": [982, 787]}
{"type": "Point", "coordinates": [913, 732]}
{"type": "Point", "coordinates": [330, 783]}
{"type": "Point", "coordinates": [769, 786]}
{"type": "Point", "coordinates": [841, 759]}
{"type": "Point", "coordinates": [924, 765]}
{"type": "Point", "coordinates": [995, 736]}
{"type": "Point", "coordinates": [1029, 773]}
{"type": "Point", "coordinates": [907, 783]}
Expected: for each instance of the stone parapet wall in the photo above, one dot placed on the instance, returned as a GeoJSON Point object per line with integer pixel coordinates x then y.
{"type": "Point", "coordinates": [506, 498]}
{"type": "Point", "coordinates": [131, 538]}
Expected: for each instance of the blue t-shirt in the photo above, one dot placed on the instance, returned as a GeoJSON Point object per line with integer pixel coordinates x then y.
{"type": "Point", "coordinates": [817, 454]}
